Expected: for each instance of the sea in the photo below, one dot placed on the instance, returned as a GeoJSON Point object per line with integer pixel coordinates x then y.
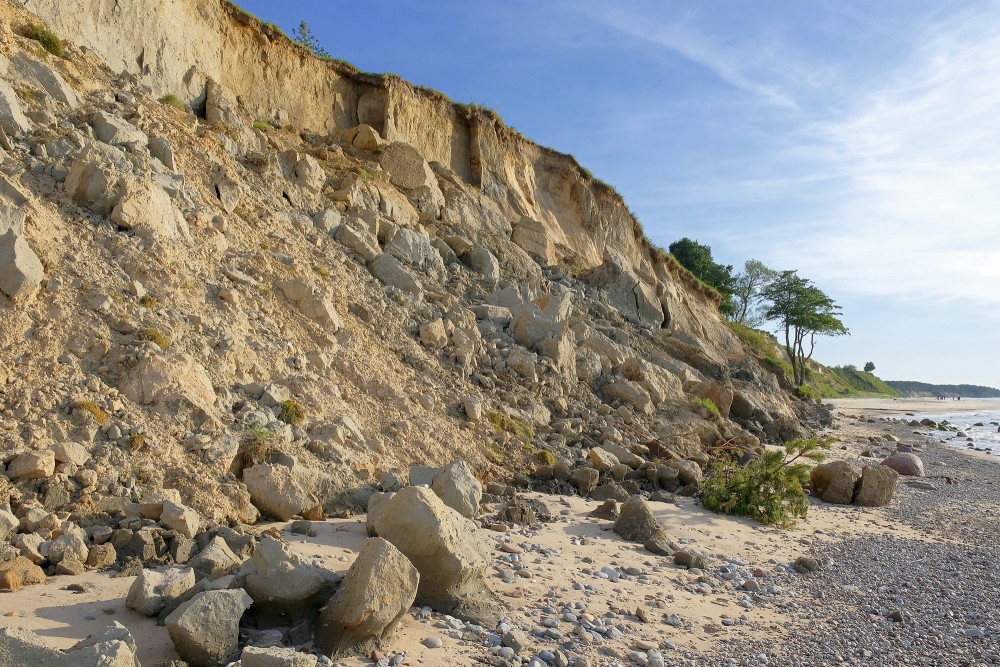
{"type": "Point", "coordinates": [978, 430]}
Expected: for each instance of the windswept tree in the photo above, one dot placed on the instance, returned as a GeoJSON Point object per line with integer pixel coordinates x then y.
{"type": "Point", "coordinates": [870, 367]}
{"type": "Point", "coordinates": [697, 259]}
{"type": "Point", "coordinates": [804, 311]}
{"type": "Point", "coordinates": [748, 293]}
{"type": "Point", "coordinates": [304, 36]}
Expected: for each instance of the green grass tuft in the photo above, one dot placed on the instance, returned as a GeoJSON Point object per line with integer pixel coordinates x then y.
{"type": "Point", "coordinates": [172, 100]}
{"type": "Point", "coordinates": [291, 412]}
{"type": "Point", "coordinates": [48, 39]}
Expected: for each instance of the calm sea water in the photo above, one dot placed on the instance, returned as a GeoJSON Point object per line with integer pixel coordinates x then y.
{"type": "Point", "coordinates": [980, 427]}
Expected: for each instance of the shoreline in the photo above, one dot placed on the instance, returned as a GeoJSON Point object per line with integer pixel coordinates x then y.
{"type": "Point", "coordinates": [900, 406]}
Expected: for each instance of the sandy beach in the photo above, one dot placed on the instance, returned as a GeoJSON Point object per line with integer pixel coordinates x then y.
{"type": "Point", "coordinates": [901, 406]}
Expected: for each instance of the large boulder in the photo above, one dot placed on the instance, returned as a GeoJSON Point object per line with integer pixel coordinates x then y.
{"type": "Point", "coordinates": [721, 396]}
{"type": "Point", "coordinates": [311, 302]}
{"type": "Point", "coordinates": [279, 581]}
{"type": "Point", "coordinates": [688, 472]}
{"type": "Point", "coordinates": [42, 76]}
{"type": "Point", "coordinates": [834, 482]}
{"type": "Point", "coordinates": [180, 518]}
{"type": "Point", "coordinates": [205, 630]}
{"type": "Point", "coordinates": [18, 573]}
{"type": "Point", "coordinates": [21, 272]}
{"type": "Point", "coordinates": [905, 463]}
{"type": "Point", "coordinates": [215, 560]}
{"type": "Point", "coordinates": [447, 549]}
{"type": "Point", "coordinates": [32, 465]}
{"type": "Point", "coordinates": [630, 393]}
{"type": "Point", "coordinates": [636, 522]}
{"type": "Point", "coordinates": [117, 131]}
{"type": "Point", "coordinates": [165, 381]}
{"type": "Point", "coordinates": [532, 237]}
{"type": "Point", "coordinates": [112, 647]}
{"type": "Point", "coordinates": [274, 491]}
{"type": "Point", "coordinates": [458, 487]}
{"type": "Point", "coordinates": [12, 118]}
{"type": "Point", "coordinates": [407, 168]}
{"type": "Point", "coordinates": [153, 590]}
{"type": "Point", "coordinates": [147, 209]}
{"type": "Point", "coordinates": [387, 268]}
{"type": "Point", "coordinates": [375, 594]}
{"type": "Point", "coordinates": [633, 298]}
{"type": "Point", "coordinates": [414, 249]}
{"type": "Point", "coordinates": [877, 486]}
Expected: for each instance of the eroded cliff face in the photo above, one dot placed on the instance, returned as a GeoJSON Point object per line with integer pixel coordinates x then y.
{"type": "Point", "coordinates": [177, 46]}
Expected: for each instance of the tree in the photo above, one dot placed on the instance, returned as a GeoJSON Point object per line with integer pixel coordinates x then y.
{"type": "Point", "coordinates": [697, 259]}
{"type": "Point", "coordinates": [747, 287]}
{"type": "Point", "coordinates": [804, 311]}
{"type": "Point", "coordinates": [306, 38]}
{"type": "Point", "coordinates": [869, 367]}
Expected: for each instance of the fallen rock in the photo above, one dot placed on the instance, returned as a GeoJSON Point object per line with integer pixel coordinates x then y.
{"type": "Point", "coordinates": [117, 131]}
{"type": "Point", "coordinates": [387, 268]}
{"type": "Point", "coordinates": [372, 599]}
{"type": "Point", "coordinates": [691, 559]}
{"type": "Point", "coordinates": [584, 479]}
{"type": "Point", "coordinates": [275, 656]}
{"type": "Point", "coordinates": [12, 118]}
{"type": "Point", "coordinates": [877, 486]}
{"type": "Point", "coordinates": [21, 272]}
{"type": "Point", "coordinates": [152, 590]}
{"type": "Point", "coordinates": [33, 465]}
{"type": "Point", "coordinates": [279, 581]}
{"type": "Point", "coordinates": [18, 573]}
{"type": "Point", "coordinates": [447, 549]}
{"type": "Point", "coordinates": [458, 487]}
{"type": "Point", "coordinates": [601, 460]}
{"type": "Point", "coordinates": [70, 452]}
{"type": "Point", "coordinates": [274, 491]}
{"type": "Point", "coordinates": [906, 464]}
{"type": "Point", "coordinates": [636, 522]}
{"type": "Point", "coordinates": [834, 482]}
{"type": "Point", "coordinates": [205, 630]}
{"type": "Point", "coordinates": [310, 301]}
{"type": "Point", "coordinates": [165, 381]}
{"type": "Point", "coordinates": [215, 560]}
{"type": "Point", "coordinates": [180, 518]}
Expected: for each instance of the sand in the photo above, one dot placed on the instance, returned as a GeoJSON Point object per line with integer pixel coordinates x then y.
{"type": "Point", "coordinates": [886, 407]}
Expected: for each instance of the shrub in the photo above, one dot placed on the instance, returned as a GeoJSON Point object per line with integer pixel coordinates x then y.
{"type": "Point", "coordinates": [172, 100]}
{"type": "Point", "coordinates": [513, 425]}
{"type": "Point", "coordinates": [291, 412]}
{"type": "Point", "coordinates": [48, 39]}
{"type": "Point", "coordinates": [100, 416]}
{"type": "Point", "coordinates": [136, 441]}
{"type": "Point", "coordinates": [709, 405]}
{"type": "Point", "coordinates": [148, 301]}
{"type": "Point", "coordinates": [768, 489]}
{"type": "Point", "coordinates": [263, 125]}
{"type": "Point", "coordinates": [156, 336]}
{"type": "Point", "coordinates": [258, 445]}
{"type": "Point", "coordinates": [545, 457]}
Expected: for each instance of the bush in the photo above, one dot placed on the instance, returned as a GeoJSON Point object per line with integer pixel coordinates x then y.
{"type": "Point", "coordinates": [156, 336]}
{"type": "Point", "coordinates": [709, 405]}
{"type": "Point", "coordinates": [48, 39]}
{"type": "Point", "coordinates": [291, 412]}
{"type": "Point", "coordinates": [100, 416]}
{"type": "Point", "coordinates": [768, 489]}
{"type": "Point", "coordinates": [172, 100]}
{"type": "Point", "coordinates": [512, 425]}
{"type": "Point", "coordinates": [258, 445]}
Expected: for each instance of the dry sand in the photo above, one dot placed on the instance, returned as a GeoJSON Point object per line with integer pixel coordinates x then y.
{"type": "Point", "coordinates": [885, 407]}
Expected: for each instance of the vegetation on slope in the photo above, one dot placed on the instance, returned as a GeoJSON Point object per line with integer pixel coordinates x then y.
{"type": "Point", "coordinates": [912, 388]}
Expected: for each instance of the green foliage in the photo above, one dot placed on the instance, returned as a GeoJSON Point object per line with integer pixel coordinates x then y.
{"type": "Point", "coordinates": [869, 367]}
{"type": "Point", "coordinates": [258, 444]}
{"type": "Point", "coordinates": [48, 39]}
{"type": "Point", "coordinates": [263, 125]}
{"type": "Point", "coordinates": [804, 311]}
{"type": "Point", "coordinates": [173, 101]}
{"type": "Point", "coordinates": [769, 489]}
{"type": "Point", "coordinates": [545, 457]}
{"type": "Point", "coordinates": [513, 425]}
{"type": "Point", "coordinates": [709, 405]}
{"type": "Point", "coordinates": [697, 259]}
{"type": "Point", "coordinates": [305, 37]}
{"type": "Point", "coordinates": [291, 412]}
{"type": "Point", "coordinates": [762, 345]}
{"type": "Point", "coordinates": [747, 292]}
{"type": "Point", "coordinates": [154, 335]}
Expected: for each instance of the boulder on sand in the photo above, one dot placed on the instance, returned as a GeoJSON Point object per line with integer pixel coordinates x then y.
{"type": "Point", "coordinates": [458, 488]}
{"type": "Point", "coordinates": [447, 549]}
{"type": "Point", "coordinates": [834, 482]}
{"type": "Point", "coordinates": [877, 486]}
{"type": "Point", "coordinates": [636, 522]}
{"type": "Point", "coordinates": [375, 594]}
{"type": "Point", "coordinates": [278, 580]}
{"type": "Point", "coordinates": [205, 630]}
{"type": "Point", "coordinates": [905, 464]}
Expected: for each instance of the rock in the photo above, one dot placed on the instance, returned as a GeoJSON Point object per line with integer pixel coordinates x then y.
{"type": "Point", "coordinates": [161, 149]}
{"type": "Point", "coordinates": [21, 272]}
{"type": "Point", "coordinates": [806, 565]}
{"type": "Point", "coordinates": [68, 546]}
{"type": "Point", "coordinates": [274, 491]}
{"type": "Point", "coordinates": [623, 455]}
{"type": "Point", "coordinates": [147, 209]}
{"type": "Point", "coordinates": [117, 131]}
{"type": "Point", "coordinates": [215, 560]}
{"type": "Point", "coordinates": [633, 298]}
{"type": "Point", "coordinates": [523, 363]}
{"type": "Point", "coordinates": [151, 505]}
{"type": "Point", "coordinates": [168, 381]}
{"type": "Point", "coordinates": [610, 491]}
{"type": "Point", "coordinates": [630, 393]}
{"type": "Point", "coordinates": [387, 268]}
{"type": "Point", "coordinates": [113, 647]}
{"type": "Point", "coordinates": [407, 168]}
{"type": "Point", "coordinates": [483, 262]}
{"type": "Point", "coordinates": [433, 334]}
{"type": "Point", "coordinates": [18, 573]}
{"type": "Point", "coordinates": [70, 452]}
{"type": "Point", "coordinates": [660, 545]}
{"type": "Point", "coordinates": [601, 460]}
{"type": "Point", "coordinates": [415, 250]}
{"type": "Point", "coordinates": [691, 559]}
{"type": "Point", "coordinates": [205, 630]}
{"type": "Point", "coordinates": [636, 522]}
{"type": "Point", "coordinates": [609, 510]}
{"type": "Point", "coordinates": [12, 118]}
{"type": "Point", "coordinates": [310, 301]}
{"type": "Point", "coordinates": [834, 482]}
{"type": "Point", "coordinates": [877, 486]}
{"type": "Point", "coordinates": [309, 174]}
{"type": "Point", "coordinates": [584, 479]}
{"type": "Point", "coordinates": [688, 472]}
{"type": "Point", "coordinates": [361, 242]}
{"type": "Point", "coordinates": [8, 524]}
{"type": "Point", "coordinates": [447, 549]}
{"type": "Point", "coordinates": [906, 464]}
{"type": "Point", "coordinates": [473, 407]}
{"type": "Point", "coordinates": [532, 237]}
{"type": "Point", "coordinates": [372, 599]}
{"type": "Point", "coordinates": [721, 396]}
{"type": "Point", "coordinates": [180, 518]}
{"type": "Point", "coordinates": [101, 556]}
{"type": "Point", "coordinates": [152, 590]}
{"type": "Point", "coordinates": [275, 656]}
{"type": "Point", "coordinates": [279, 581]}
{"type": "Point", "coordinates": [458, 487]}
{"type": "Point", "coordinates": [33, 465]}
{"type": "Point", "coordinates": [42, 76]}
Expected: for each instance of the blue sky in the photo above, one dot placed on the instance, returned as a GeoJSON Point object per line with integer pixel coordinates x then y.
{"type": "Point", "coordinates": [858, 142]}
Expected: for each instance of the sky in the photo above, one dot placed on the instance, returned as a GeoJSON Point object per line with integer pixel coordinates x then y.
{"type": "Point", "coordinates": [857, 142]}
